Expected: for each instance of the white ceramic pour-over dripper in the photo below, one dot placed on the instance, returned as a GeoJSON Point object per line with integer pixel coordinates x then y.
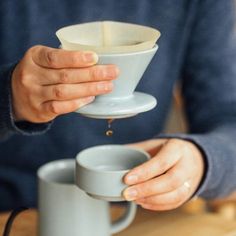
{"type": "Point", "coordinates": [123, 101]}
{"type": "Point", "coordinates": [129, 46]}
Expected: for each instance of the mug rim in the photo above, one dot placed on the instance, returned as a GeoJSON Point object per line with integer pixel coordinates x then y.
{"type": "Point", "coordinates": [55, 166]}
{"type": "Point", "coordinates": [81, 165]}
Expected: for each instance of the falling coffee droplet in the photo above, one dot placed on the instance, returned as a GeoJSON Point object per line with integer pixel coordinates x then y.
{"type": "Point", "coordinates": [109, 132]}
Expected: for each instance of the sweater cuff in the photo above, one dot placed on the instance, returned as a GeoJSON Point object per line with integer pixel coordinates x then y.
{"type": "Point", "coordinates": [209, 188]}
{"type": "Point", "coordinates": [7, 122]}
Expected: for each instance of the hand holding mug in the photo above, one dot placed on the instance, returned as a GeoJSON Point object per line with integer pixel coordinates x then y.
{"type": "Point", "coordinates": [49, 82]}
{"type": "Point", "coordinates": [167, 180]}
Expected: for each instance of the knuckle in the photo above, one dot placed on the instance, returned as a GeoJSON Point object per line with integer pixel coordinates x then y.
{"type": "Point", "coordinates": [54, 108]}
{"type": "Point", "coordinates": [59, 91]}
{"type": "Point", "coordinates": [93, 73]}
{"type": "Point", "coordinates": [51, 58]}
{"type": "Point", "coordinates": [63, 76]}
{"type": "Point", "coordinates": [36, 50]}
{"type": "Point", "coordinates": [22, 73]}
{"type": "Point", "coordinates": [74, 58]}
{"type": "Point", "coordinates": [24, 77]}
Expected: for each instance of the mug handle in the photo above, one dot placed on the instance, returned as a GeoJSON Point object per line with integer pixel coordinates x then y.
{"type": "Point", "coordinates": [126, 219]}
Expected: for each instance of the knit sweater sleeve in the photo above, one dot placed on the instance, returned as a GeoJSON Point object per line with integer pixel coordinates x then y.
{"type": "Point", "coordinates": [209, 90]}
{"type": "Point", "coordinates": [8, 126]}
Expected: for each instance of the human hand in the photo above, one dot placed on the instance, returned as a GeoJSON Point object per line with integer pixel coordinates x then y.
{"type": "Point", "coordinates": [49, 82]}
{"type": "Point", "coordinates": [169, 178]}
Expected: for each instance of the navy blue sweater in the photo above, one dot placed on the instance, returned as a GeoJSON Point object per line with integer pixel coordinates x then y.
{"type": "Point", "coordinates": [197, 46]}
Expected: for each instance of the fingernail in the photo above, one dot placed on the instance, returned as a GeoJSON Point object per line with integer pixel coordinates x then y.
{"type": "Point", "coordinates": [90, 57]}
{"type": "Point", "coordinates": [130, 194]}
{"type": "Point", "coordinates": [131, 179]}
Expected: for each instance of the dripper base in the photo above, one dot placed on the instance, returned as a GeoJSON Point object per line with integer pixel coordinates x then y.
{"type": "Point", "coordinates": [117, 109]}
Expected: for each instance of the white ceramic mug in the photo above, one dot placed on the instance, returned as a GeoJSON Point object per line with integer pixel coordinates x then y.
{"type": "Point", "coordinates": [65, 210]}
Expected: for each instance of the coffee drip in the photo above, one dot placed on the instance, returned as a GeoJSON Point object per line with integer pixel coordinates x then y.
{"type": "Point", "coordinates": [109, 131]}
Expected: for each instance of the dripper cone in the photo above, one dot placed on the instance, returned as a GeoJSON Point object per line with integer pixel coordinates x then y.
{"type": "Point", "coordinates": [123, 102]}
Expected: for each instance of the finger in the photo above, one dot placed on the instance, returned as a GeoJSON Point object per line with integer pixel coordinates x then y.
{"type": "Point", "coordinates": [59, 58]}
{"type": "Point", "coordinates": [175, 197]}
{"type": "Point", "coordinates": [55, 108]}
{"type": "Point", "coordinates": [62, 92]}
{"type": "Point", "coordinates": [169, 154]}
{"type": "Point", "coordinates": [73, 76]}
{"type": "Point", "coordinates": [168, 182]}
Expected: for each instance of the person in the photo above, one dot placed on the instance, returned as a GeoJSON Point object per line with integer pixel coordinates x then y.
{"type": "Point", "coordinates": [41, 85]}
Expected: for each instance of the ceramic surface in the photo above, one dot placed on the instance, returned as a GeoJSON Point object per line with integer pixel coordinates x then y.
{"type": "Point", "coordinates": [122, 101]}
{"type": "Point", "coordinates": [119, 108]}
{"type": "Point", "coordinates": [100, 170]}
